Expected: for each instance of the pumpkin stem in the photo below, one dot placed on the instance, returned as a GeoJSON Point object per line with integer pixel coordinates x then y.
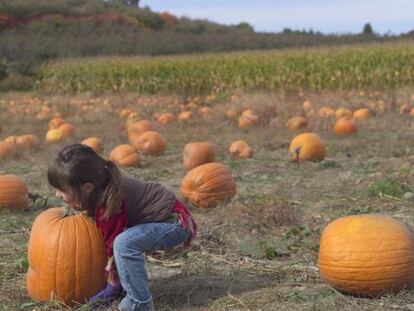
{"type": "Point", "coordinates": [68, 211]}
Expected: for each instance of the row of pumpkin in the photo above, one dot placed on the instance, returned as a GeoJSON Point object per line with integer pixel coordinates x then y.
{"type": "Point", "coordinates": [59, 129]}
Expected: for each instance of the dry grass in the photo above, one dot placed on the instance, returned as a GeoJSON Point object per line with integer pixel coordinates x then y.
{"type": "Point", "coordinates": [257, 252]}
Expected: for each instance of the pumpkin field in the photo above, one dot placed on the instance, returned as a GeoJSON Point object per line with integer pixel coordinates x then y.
{"type": "Point", "coordinates": [269, 194]}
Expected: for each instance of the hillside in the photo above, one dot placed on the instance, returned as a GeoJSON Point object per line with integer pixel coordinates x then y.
{"type": "Point", "coordinates": [32, 32]}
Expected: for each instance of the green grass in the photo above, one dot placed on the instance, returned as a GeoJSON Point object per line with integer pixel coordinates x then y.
{"type": "Point", "coordinates": [386, 186]}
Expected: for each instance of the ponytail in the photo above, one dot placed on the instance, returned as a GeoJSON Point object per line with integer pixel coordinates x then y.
{"type": "Point", "coordinates": [113, 192]}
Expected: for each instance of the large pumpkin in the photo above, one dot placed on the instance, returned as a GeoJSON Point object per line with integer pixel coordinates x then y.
{"type": "Point", "coordinates": [66, 256]}
{"type": "Point", "coordinates": [13, 192]}
{"type": "Point", "coordinates": [125, 155]}
{"type": "Point", "coordinates": [307, 146]}
{"type": "Point", "coordinates": [208, 185]}
{"type": "Point", "coordinates": [149, 143]}
{"type": "Point", "coordinates": [367, 255]}
{"type": "Point", "coordinates": [198, 153]}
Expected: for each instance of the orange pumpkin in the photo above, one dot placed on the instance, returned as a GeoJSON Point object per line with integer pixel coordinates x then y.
{"type": "Point", "coordinates": [13, 192]}
{"type": "Point", "coordinates": [198, 153]}
{"type": "Point", "coordinates": [11, 139]}
{"type": "Point", "coordinates": [208, 185]}
{"type": "Point", "coordinates": [362, 114]}
{"type": "Point", "coordinates": [307, 105]}
{"type": "Point", "coordinates": [66, 255]}
{"type": "Point", "coordinates": [205, 111]}
{"type": "Point", "coordinates": [367, 255]}
{"type": "Point", "coordinates": [54, 135]}
{"type": "Point", "coordinates": [125, 155]}
{"type": "Point", "coordinates": [6, 149]}
{"type": "Point", "coordinates": [248, 119]}
{"type": "Point", "coordinates": [149, 143]}
{"type": "Point", "coordinates": [307, 146]}
{"type": "Point", "coordinates": [406, 108]}
{"type": "Point", "coordinates": [94, 142]}
{"type": "Point", "coordinates": [138, 128]}
{"type": "Point", "coordinates": [240, 150]}
{"type": "Point", "coordinates": [166, 118]}
{"type": "Point", "coordinates": [326, 112]}
{"type": "Point", "coordinates": [27, 141]}
{"type": "Point", "coordinates": [55, 122]}
{"type": "Point", "coordinates": [67, 129]}
{"type": "Point", "coordinates": [185, 116]}
{"type": "Point", "coordinates": [123, 113]}
{"type": "Point", "coordinates": [232, 113]}
{"type": "Point", "coordinates": [345, 127]}
{"type": "Point", "coordinates": [297, 123]}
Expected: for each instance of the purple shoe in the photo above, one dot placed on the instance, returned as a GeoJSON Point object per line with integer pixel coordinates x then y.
{"type": "Point", "coordinates": [105, 296]}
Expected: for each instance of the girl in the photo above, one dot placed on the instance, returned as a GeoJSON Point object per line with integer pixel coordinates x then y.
{"type": "Point", "coordinates": [133, 216]}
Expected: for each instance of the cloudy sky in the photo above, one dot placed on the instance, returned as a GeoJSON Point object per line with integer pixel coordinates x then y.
{"type": "Point", "coordinates": [327, 16]}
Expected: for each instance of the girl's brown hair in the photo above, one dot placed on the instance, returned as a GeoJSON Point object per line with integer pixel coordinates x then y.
{"type": "Point", "coordinates": [78, 164]}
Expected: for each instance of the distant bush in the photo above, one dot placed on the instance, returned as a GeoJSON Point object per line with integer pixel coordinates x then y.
{"type": "Point", "coordinates": [3, 71]}
{"type": "Point", "coordinates": [27, 8]}
{"type": "Point", "coordinates": [16, 82]}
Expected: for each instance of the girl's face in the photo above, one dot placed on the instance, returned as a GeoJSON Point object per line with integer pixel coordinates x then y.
{"type": "Point", "coordinates": [68, 197]}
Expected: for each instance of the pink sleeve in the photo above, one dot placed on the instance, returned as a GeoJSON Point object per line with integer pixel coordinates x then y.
{"type": "Point", "coordinates": [111, 227]}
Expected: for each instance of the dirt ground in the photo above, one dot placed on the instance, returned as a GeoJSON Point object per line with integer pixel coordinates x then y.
{"type": "Point", "coordinates": [259, 251]}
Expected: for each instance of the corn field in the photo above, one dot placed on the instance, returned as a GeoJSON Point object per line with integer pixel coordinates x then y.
{"type": "Point", "coordinates": [341, 68]}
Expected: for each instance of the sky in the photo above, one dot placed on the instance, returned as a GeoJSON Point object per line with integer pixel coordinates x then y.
{"type": "Point", "coordinates": [327, 16]}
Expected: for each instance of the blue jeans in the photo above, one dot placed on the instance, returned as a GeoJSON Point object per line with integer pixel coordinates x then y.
{"type": "Point", "coordinates": [129, 249]}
